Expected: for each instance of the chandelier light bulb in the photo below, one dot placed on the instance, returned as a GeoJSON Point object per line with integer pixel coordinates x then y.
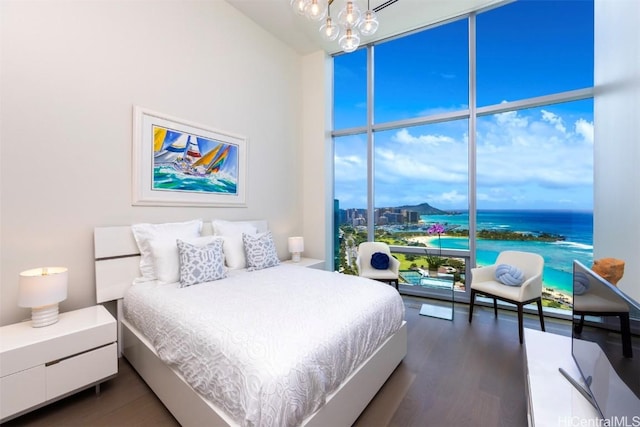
{"type": "Point", "coordinates": [350, 16]}
{"type": "Point", "coordinates": [329, 30]}
{"type": "Point", "coordinates": [369, 25]}
{"type": "Point", "coordinates": [299, 6]}
{"type": "Point", "coordinates": [350, 40]}
{"type": "Point", "coordinates": [316, 10]}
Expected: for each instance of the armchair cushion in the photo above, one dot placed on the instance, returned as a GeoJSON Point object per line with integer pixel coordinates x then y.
{"type": "Point", "coordinates": [581, 283]}
{"type": "Point", "coordinates": [380, 261]}
{"type": "Point", "coordinates": [509, 275]}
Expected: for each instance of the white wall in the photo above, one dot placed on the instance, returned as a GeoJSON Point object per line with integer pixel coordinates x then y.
{"type": "Point", "coordinates": [317, 158]}
{"type": "Point", "coordinates": [71, 72]}
{"type": "Point", "coordinates": [617, 137]}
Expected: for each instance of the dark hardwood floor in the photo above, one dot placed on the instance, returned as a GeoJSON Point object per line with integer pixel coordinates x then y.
{"type": "Point", "coordinates": [454, 374]}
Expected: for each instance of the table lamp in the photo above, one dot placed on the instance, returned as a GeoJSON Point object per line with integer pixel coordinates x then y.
{"type": "Point", "coordinates": [42, 289]}
{"type": "Point", "coordinates": [296, 246]}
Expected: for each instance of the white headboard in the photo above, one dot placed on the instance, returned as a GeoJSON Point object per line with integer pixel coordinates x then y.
{"type": "Point", "coordinates": [117, 258]}
{"type": "Point", "coordinates": [117, 261]}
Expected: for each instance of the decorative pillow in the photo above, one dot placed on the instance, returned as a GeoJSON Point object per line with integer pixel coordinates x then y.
{"type": "Point", "coordinates": [145, 233]}
{"type": "Point", "coordinates": [509, 275]}
{"type": "Point", "coordinates": [200, 264]}
{"type": "Point", "coordinates": [166, 258]}
{"type": "Point", "coordinates": [260, 251]}
{"type": "Point", "coordinates": [233, 247]}
{"type": "Point", "coordinates": [581, 283]}
{"type": "Point", "coordinates": [380, 261]}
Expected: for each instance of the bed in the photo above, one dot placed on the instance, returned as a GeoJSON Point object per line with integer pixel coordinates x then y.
{"type": "Point", "coordinates": [256, 365]}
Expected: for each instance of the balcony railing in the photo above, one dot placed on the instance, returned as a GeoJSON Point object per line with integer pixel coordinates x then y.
{"type": "Point", "coordinates": [410, 279]}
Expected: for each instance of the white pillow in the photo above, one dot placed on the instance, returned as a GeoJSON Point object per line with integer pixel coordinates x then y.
{"type": "Point", "coordinates": [166, 258]}
{"type": "Point", "coordinates": [233, 247]}
{"type": "Point", "coordinates": [145, 233]}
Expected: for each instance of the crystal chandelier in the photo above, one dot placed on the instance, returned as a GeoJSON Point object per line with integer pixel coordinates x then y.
{"type": "Point", "coordinates": [350, 22]}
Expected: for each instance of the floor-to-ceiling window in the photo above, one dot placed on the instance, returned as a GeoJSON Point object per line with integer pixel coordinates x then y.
{"type": "Point", "coordinates": [482, 125]}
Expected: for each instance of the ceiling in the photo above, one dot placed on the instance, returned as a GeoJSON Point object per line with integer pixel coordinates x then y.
{"type": "Point", "coordinates": [278, 18]}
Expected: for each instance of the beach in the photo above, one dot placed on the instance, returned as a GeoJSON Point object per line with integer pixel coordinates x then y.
{"type": "Point", "coordinates": [430, 241]}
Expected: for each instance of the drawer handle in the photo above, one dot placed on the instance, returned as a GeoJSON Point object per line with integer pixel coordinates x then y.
{"type": "Point", "coordinates": [53, 362]}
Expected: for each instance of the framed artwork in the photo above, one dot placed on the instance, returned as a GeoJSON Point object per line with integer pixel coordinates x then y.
{"type": "Point", "coordinates": [178, 163]}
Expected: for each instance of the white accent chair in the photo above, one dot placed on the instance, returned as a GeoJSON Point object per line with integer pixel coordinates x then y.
{"type": "Point", "coordinates": [363, 263]}
{"type": "Point", "coordinates": [483, 282]}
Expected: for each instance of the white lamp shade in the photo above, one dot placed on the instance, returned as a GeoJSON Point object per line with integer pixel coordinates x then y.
{"type": "Point", "coordinates": [296, 244]}
{"type": "Point", "coordinates": [42, 286]}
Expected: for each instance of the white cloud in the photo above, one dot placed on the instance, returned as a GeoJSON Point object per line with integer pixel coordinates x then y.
{"type": "Point", "coordinates": [511, 119]}
{"type": "Point", "coordinates": [524, 159]}
{"type": "Point", "coordinates": [555, 120]}
{"type": "Point", "coordinates": [452, 197]}
{"type": "Point", "coordinates": [403, 136]}
{"type": "Point", "coordinates": [585, 129]}
{"type": "Point", "coordinates": [349, 168]}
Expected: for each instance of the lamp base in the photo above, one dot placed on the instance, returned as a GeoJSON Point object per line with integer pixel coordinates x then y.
{"type": "Point", "coordinates": [44, 316]}
{"type": "Point", "coordinates": [295, 256]}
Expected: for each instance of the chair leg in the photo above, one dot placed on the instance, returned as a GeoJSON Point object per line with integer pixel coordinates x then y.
{"type": "Point", "coordinates": [520, 323]}
{"type": "Point", "coordinates": [472, 300]}
{"type": "Point", "coordinates": [625, 329]}
{"type": "Point", "coordinates": [541, 315]}
{"type": "Point", "coordinates": [495, 308]}
{"type": "Point", "coordinates": [578, 327]}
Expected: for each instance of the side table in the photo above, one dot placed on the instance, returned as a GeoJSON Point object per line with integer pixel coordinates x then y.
{"type": "Point", "coordinates": [41, 365]}
{"type": "Point", "coordinates": [307, 262]}
{"type": "Point", "coordinates": [441, 286]}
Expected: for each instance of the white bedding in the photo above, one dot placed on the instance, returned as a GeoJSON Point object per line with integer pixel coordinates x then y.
{"type": "Point", "coordinates": [267, 346]}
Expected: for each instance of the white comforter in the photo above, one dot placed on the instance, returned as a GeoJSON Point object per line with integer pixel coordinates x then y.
{"type": "Point", "coordinates": [267, 346]}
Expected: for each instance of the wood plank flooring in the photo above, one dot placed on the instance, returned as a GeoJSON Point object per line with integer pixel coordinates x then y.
{"type": "Point", "coordinates": [454, 374]}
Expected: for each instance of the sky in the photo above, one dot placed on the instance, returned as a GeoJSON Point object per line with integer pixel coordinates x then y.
{"type": "Point", "coordinates": [538, 158]}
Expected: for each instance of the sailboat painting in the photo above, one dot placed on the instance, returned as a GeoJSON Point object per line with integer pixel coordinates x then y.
{"type": "Point", "coordinates": [190, 164]}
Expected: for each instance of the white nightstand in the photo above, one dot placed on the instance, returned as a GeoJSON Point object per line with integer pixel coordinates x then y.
{"type": "Point", "coordinates": [307, 262]}
{"type": "Point", "coordinates": [41, 365]}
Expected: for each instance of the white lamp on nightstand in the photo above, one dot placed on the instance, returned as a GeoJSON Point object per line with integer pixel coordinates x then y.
{"type": "Point", "coordinates": [296, 246]}
{"type": "Point", "coordinates": [42, 289]}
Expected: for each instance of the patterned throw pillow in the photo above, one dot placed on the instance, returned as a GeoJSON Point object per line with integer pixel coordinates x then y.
{"type": "Point", "coordinates": [200, 264]}
{"type": "Point", "coordinates": [260, 251]}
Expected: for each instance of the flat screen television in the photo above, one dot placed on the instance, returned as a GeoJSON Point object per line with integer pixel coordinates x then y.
{"type": "Point", "coordinates": [604, 346]}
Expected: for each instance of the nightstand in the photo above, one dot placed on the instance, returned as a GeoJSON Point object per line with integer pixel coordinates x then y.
{"type": "Point", "coordinates": [41, 365]}
{"type": "Point", "coordinates": [307, 262]}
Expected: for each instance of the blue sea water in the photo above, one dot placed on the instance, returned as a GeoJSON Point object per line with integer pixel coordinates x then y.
{"type": "Point", "coordinates": [167, 178]}
{"type": "Point", "coordinates": [576, 227]}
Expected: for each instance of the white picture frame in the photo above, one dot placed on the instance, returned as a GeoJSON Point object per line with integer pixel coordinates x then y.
{"type": "Point", "coordinates": [181, 163]}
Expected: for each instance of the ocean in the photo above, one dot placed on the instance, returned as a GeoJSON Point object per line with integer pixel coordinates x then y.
{"type": "Point", "coordinates": [167, 178]}
{"type": "Point", "coordinates": [576, 227]}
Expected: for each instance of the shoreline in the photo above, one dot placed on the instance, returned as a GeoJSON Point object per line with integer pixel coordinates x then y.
{"type": "Point", "coordinates": [427, 240]}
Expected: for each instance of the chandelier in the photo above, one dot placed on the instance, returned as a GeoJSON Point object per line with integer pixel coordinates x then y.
{"type": "Point", "coordinates": [349, 24]}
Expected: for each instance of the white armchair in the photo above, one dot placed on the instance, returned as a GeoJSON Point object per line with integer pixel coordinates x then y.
{"type": "Point", "coordinates": [483, 282]}
{"type": "Point", "coordinates": [363, 263]}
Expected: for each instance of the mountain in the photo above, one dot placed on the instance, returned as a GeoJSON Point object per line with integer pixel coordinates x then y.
{"type": "Point", "coordinates": [424, 209]}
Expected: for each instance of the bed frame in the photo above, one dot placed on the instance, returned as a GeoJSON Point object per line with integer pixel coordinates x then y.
{"type": "Point", "coordinates": [117, 261]}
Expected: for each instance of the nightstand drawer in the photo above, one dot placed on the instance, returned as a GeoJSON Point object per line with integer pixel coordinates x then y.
{"type": "Point", "coordinates": [22, 390]}
{"type": "Point", "coordinates": [77, 371]}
